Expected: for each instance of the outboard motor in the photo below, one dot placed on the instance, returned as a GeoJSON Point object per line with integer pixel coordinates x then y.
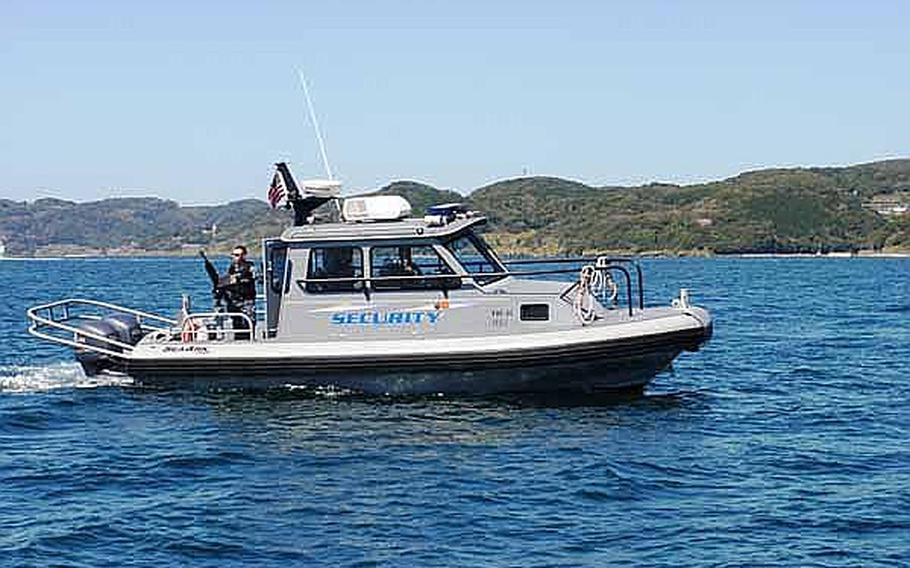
{"type": "Point", "coordinates": [127, 327]}
{"type": "Point", "coordinates": [124, 328]}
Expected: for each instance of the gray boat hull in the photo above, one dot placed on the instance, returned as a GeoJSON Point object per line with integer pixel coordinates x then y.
{"type": "Point", "coordinates": [616, 365]}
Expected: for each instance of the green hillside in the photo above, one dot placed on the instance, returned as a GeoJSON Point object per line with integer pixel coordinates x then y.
{"type": "Point", "coordinates": [52, 226]}
{"type": "Point", "coordinates": [420, 195]}
{"type": "Point", "coordinates": [772, 210]}
{"type": "Point", "coordinates": [764, 211]}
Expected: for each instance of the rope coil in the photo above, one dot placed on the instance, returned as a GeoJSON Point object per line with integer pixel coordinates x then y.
{"type": "Point", "coordinates": [583, 305]}
{"type": "Point", "coordinates": [594, 282]}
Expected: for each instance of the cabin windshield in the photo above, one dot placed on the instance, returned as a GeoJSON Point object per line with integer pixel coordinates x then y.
{"type": "Point", "coordinates": [476, 257]}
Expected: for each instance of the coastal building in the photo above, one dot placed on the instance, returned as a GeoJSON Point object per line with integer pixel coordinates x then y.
{"type": "Point", "coordinates": [889, 206]}
{"type": "Point", "coordinates": [210, 232]}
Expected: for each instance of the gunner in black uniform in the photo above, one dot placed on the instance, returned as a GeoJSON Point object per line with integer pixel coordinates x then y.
{"type": "Point", "coordinates": [235, 290]}
{"type": "Point", "coordinates": [240, 286]}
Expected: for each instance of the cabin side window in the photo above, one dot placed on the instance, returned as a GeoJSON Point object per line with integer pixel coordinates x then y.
{"type": "Point", "coordinates": [476, 258]}
{"type": "Point", "coordinates": [337, 266]}
{"type": "Point", "coordinates": [410, 267]}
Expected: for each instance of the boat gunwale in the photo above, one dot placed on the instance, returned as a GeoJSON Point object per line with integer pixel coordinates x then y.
{"type": "Point", "coordinates": [614, 350]}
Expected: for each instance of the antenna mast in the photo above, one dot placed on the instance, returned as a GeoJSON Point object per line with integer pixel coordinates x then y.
{"type": "Point", "coordinates": [309, 105]}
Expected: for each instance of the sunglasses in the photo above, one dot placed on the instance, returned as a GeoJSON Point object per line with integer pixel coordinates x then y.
{"type": "Point", "coordinates": [236, 254]}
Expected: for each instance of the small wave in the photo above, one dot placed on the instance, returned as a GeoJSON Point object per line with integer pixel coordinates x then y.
{"type": "Point", "coordinates": [328, 391]}
{"type": "Point", "coordinates": [25, 379]}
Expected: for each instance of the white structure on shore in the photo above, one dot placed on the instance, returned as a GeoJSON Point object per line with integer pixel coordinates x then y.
{"type": "Point", "coordinates": [889, 206]}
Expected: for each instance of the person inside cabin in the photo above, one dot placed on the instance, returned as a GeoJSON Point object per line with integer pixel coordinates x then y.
{"type": "Point", "coordinates": [398, 263]}
{"type": "Point", "coordinates": [239, 284]}
{"type": "Point", "coordinates": [404, 266]}
{"type": "Point", "coordinates": [340, 263]}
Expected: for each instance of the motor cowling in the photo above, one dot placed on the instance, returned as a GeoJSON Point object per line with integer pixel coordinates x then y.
{"type": "Point", "coordinates": [123, 328]}
{"type": "Point", "coordinates": [127, 327]}
{"type": "Point", "coordinates": [91, 360]}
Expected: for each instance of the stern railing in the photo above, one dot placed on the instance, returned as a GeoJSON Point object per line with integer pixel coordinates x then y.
{"type": "Point", "coordinates": [53, 322]}
{"type": "Point", "coordinates": [58, 322]}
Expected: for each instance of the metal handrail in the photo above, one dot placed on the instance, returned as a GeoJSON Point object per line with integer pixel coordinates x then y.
{"type": "Point", "coordinates": [53, 320]}
{"type": "Point", "coordinates": [431, 277]}
{"type": "Point", "coordinates": [628, 280]}
{"type": "Point", "coordinates": [76, 345]}
{"type": "Point", "coordinates": [588, 259]}
{"type": "Point", "coordinates": [343, 279]}
{"type": "Point", "coordinates": [96, 303]}
{"type": "Point", "coordinates": [217, 315]}
{"type": "Point", "coordinates": [569, 260]}
{"type": "Point", "coordinates": [40, 321]}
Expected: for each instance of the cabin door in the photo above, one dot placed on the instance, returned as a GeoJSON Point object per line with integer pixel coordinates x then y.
{"type": "Point", "coordinates": [275, 282]}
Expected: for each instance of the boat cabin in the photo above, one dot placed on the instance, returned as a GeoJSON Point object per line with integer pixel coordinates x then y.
{"type": "Point", "coordinates": [399, 277]}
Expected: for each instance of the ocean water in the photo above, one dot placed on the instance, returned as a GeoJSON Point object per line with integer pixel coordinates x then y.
{"type": "Point", "coordinates": [784, 442]}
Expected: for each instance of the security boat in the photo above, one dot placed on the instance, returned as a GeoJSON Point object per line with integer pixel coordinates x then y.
{"type": "Point", "coordinates": [380, 302]}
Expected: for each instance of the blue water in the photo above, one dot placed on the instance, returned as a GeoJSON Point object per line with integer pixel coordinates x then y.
{"type": "Point", "coordinates": [785, 442]}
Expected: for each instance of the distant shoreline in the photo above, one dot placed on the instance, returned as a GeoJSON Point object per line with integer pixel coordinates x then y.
{"type": "Point", "coordinates": [824, 255]}
{"type": "Point", "coordinates": [779, 212]}
{"type": "Point", "coordinates": [505, 257]}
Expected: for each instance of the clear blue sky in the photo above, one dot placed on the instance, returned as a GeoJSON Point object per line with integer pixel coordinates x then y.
{"type": "Point", "coordinates": [194, 100]}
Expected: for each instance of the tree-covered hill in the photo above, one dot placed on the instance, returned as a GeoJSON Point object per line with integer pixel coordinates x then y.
{"type": "Point", "coordinates": [772, 210]}
{"type": "Point", "coordinates": [420, 195]}
{"type": "Point", "coordinates": [130, 224]}
{"type": "Point", "coordinates": [780, 210]}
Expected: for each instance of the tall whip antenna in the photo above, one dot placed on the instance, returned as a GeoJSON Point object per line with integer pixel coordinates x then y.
{"type": "Point", "coordinates": [309, 105]}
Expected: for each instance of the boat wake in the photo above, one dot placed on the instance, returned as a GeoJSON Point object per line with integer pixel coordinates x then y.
{"type": "Point", "coordinates": [27, 378]}
{"type": "Point", "coordinates": [328, 391]}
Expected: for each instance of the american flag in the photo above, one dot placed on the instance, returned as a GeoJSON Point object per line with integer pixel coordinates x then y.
{"type": "Point", "coordinates": [278, 191]}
